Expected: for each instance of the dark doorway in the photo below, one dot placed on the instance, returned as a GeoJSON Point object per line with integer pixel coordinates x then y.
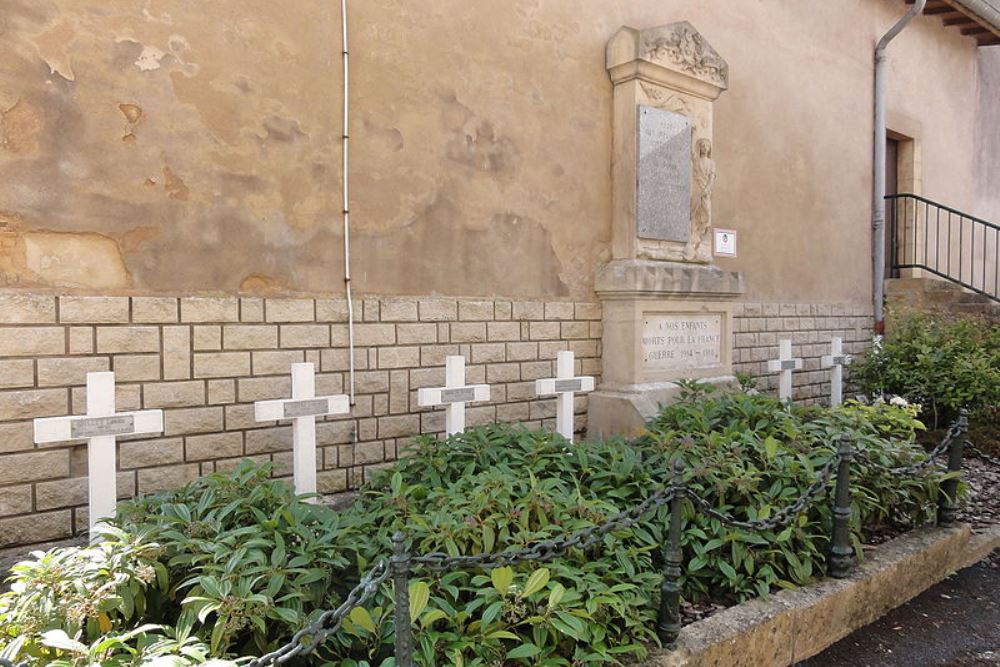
{"type": "Point", "coordinates": [891, 188]}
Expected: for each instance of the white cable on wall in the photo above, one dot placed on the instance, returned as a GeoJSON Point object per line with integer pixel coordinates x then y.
{"type": "Point", "coordinates": [346, 191]}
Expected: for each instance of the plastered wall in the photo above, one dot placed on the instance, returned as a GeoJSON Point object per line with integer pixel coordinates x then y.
{"type": "Point", "coordinates": [160, 146]}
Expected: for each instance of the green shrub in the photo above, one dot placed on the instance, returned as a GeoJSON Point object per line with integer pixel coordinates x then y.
{"type": "Point", "coordinates": [244, 556]}
{"type": "Point", "coordinates": [242, 564]}
{"type": "Point", "coordinates": [944, 364]}
{"type": "Point", "coordinates": [82, 606]}
{"type": "Point", "coordinates": [749, 455]}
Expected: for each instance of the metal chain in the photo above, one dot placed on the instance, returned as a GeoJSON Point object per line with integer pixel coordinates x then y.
{"type": "Point", "coordinates": [992, 460]}
{"type": "Point", "coordinates": [954, 431]}
{"type": "Point", "coordinates": [782, 517]}
{"type": "Point", "coordinates": [549, 549]}
{"type": "Point", "coordinates": [328, 622]}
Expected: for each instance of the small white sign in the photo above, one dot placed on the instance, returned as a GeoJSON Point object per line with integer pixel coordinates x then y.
{"type": "Point", "coordinates": [725, 242]}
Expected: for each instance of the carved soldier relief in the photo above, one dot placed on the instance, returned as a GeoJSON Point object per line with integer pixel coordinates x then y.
{"type": "Point", "coordinates": [701, 200]}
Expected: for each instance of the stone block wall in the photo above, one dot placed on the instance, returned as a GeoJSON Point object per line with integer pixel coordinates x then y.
{"type": "Point", "coordinates": [205, 360]}
{"type": "Point", "coordinates": [758, 327]}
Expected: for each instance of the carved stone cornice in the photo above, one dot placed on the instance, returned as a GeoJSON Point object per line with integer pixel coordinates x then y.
{"type": "Point", "coordinates": [675, 56]}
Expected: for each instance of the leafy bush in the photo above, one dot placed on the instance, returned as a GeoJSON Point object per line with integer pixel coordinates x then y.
{"type": "Point", "coordinates": [69, 606]}
{"type": "Point", "coordinates": [944, 364]}
{"type": "Point", "coordinates": [243, 555]}
{"type": "Point", "coordinates": [240, 564]}
{"type": "Point", "coordinates": [749, 455]}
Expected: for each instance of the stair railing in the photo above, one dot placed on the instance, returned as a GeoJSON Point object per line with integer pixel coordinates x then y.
{"type": "Point", "coordinates": [948, 243]}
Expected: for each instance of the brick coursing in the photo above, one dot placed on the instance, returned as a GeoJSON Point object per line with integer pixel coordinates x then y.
{"type": "Point", "coordinates": [205, 360]}
{"type": "Point", "coordinates": [757, 328]}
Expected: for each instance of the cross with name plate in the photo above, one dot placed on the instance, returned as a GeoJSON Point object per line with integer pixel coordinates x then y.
{"type": "Point", "coordinates": [836, 360]}
{"type": "Point", "coordinates": [101, 427]}
{"type": "Point", "coordinates": [303, 408]}
{"type": "Point", "coordinates": [564, 385]}
{"type": "Point", "coordinates": [454, 394]}
{"type": "Point", "coordinates": [784, 365]}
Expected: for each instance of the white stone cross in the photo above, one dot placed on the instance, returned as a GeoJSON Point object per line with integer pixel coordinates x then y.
{"type": "Point", "coordinates": [303, 408]}
{"type": "Point", "coordinates": [454, 394]}
{"type": "Point", "coordinates": [785, 364]}
{"type": "Point", "coordinates": [836, 360]}
{"type": "Point", "coordinates": [564, 385]}
{"type": "Point", "coordinates": [100, 426]}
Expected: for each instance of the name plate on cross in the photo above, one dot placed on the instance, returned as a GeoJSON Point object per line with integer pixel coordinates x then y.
{"type": "Point", "coordinates": [100, 426]}
{"type": "Point", "coordinates": [836, 361]}
{"type": "Point", "coordinates": [564, 385]}
{"type": "Point", "coordinates": [453, 395]}
{"type": "Point", "coordinates": [784, 365]}
{"type": "Point", "coordinates": [303, 408]}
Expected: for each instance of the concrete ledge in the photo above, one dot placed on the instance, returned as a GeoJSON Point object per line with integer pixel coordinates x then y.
{"type": "Point", "coordinates": [794, 625]}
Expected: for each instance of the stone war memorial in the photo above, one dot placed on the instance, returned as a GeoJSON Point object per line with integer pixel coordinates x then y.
{"type": "Point", "coordinates": [667, 309]}
{"type": "Point", "coordinates": [388, 333]}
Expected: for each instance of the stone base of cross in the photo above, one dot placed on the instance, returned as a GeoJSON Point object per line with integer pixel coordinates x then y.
{"type": "Point", "coordinates": [101, 427]}
{"type": "Point", "coordinates": [303, 408]}
{"type": "Point", "coordinates": [836, 360]}
{"type": "Point", "coordinates": [564, 385]}
{"type": "Point", "coordinates": [454, 394]}
{"type": "Point", "coordinates": [784, 365]}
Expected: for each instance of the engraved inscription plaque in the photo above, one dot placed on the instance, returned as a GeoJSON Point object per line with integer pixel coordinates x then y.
{"type": "Point", "coordinates": [460, 395]}
{"type": "Point", "coordinates": [574, 384]}
{"type": "Point", "coordinates": [94, 427]}
{"type": "Point", "coordinates": [307, 408]}
{"type": "Point", "coordinates": [663, 195]}
{"type": "Point", "coordinates": [682, 341]}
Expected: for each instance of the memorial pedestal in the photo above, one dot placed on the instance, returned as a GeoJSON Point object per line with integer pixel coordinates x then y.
{"type": "Point", "coordinates": [663, 322]}
{"type": "Point", "coordinates": [667, 309]}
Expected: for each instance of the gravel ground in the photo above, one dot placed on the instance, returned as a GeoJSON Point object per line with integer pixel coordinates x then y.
{"type": "Point", "coordinates": [982, 505]}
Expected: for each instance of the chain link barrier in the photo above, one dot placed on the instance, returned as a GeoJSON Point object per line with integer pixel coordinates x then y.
{"type": "Point", "coordinates": [992, 460]}
{"type": "Point", "coordinates": [782, 517]}
{"type": "Point", "coordinates": [922, 466]}
{"type": "Point", "coordinates": [549, 549]}
{"type": "Point", "coordinates": [310, 637]}
{"type": "Point", "coordinates": [328, 622]}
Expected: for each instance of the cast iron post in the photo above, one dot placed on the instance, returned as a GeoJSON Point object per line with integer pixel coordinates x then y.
{"type": "Point", "coordinates": [948, 498]}
{"type": "Point", "coordinates": [668, 621]}
{"type": "Point", "coordinates": [401, 614]}
{"type": "Point", "coordinates": [841, 553]}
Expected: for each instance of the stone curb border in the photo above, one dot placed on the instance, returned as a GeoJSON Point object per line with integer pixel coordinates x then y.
{"type": "Point", "coordinates": [794, 625]}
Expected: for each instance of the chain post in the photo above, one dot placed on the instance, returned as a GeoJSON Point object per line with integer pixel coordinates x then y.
{"type": "Point", "coordinates": [668, 621]}
{"type": "Point", "coordinates": [948, 500]}
{"type": "Point", "coordinates": [841, 553]}
{"type": "Point", "coordinates": [401, 583]}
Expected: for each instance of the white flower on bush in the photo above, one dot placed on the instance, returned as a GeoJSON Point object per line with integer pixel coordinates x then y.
{"type": "Point", "coordinates": [899, 402]}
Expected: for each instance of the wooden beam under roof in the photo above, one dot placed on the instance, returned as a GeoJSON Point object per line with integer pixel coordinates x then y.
{"type": "Point", "coordinates": [954, 14]}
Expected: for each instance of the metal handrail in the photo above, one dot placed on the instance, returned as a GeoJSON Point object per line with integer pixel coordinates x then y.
{"type": "Point", "coordinates": [943, 233]}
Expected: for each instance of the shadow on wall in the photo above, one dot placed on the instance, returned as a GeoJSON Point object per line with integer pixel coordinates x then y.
{"type": "Point", "coordinates": [510, 256]}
